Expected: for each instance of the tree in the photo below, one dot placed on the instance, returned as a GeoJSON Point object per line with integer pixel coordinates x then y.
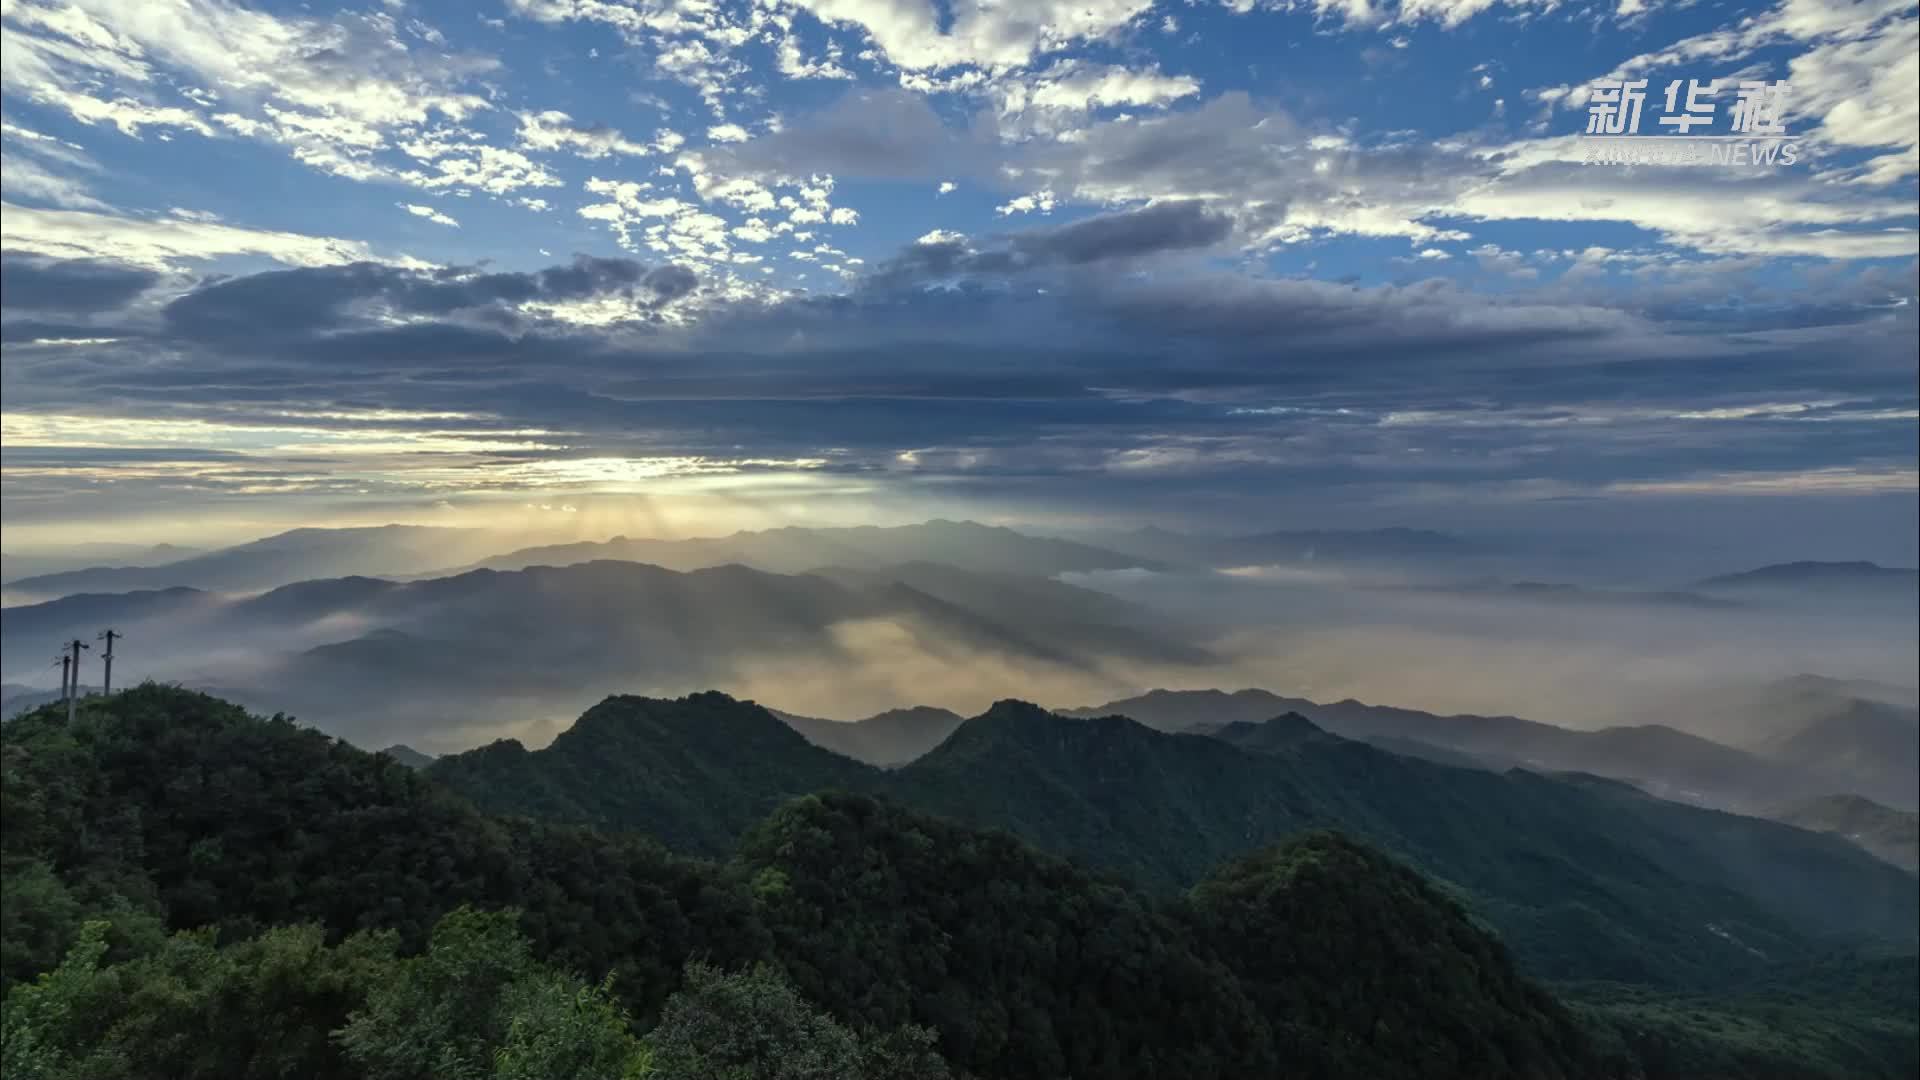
{"type": "Point", "coordinates": [477, 1004]}
{"type": "Point", "coordinates": [753, 1025]}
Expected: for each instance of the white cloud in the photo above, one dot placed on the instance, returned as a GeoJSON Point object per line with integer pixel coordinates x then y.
{"type": "Point", "coordinates": [984, 33]}
{"type": "Point", "coordinates": [25, 178]}
{"type": "Point", "coordinates": [429, 213]}
{"type": "Point", "coordinates": [123, 113]}
{"type": "Point", "coordinates": [1041, 201]}
{"type": "Point", "coordinates": [1059, 99]}
{"type": "Point", "coordinates": [333, 90]}
{"type": "Point", "coordinates": [727, 133]}
{"type": "Point", "coordinates": [163, 242]}
{"type": "Point", "coordinates": [554, 130]}
{"type": "Point", "coordinates": [945, 187]}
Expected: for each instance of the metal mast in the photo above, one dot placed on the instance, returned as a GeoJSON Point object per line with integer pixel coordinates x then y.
{"type": "Point", "coordinates": [106, 659]}
{"type": "Point", "coordinates": [73, 699]}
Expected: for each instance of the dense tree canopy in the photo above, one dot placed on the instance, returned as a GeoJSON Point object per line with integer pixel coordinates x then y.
{"type": "Point", "coordinates": [194, 892]}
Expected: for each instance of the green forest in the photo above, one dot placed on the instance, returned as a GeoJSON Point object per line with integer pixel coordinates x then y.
{"type": "Point", "coordinates": [690, 890]}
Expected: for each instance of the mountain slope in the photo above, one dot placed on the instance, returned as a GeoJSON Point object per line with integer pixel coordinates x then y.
{"type": "Point", "coordinates": [1680, 897]}
{"type": "Point", "coordinates": [1893, 835]}
{"type": "Point", "coordinates": [886, 739]}
{"type": "Point", "coordinates": [1425, 965]}
{"type": "Point", "coordinates": [1860, 588]}
{"type": "Point", "coordinates": [965, 545]}
{"type": "Point", "coordinates": [161, 807]}
{"type": "Point", "coordinates": [1035, 970]}
{"type": "Point", "coordinates": [1874, 744]}
{"type": "Point", "coordinates": [422, 660]}
{"type": "Point", "coordinates": [694, 772]}
{"type": "Point", "coordinates": [1817, 575]}
{"type": "Point", "coordinates": [296, 555]}
{"type": "Point", "coordinates": [1683, 894]}
{"type": "Point", "coordinates": [1665, 761]}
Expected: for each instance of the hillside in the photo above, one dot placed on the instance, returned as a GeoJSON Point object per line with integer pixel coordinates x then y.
{"type": "Point", "coordinates": [1023, 966]}
{"type": "Point", "coordinates": [963, 545]}
{"type": "Point", "coordinates": [887, 739]}
{"type": "Point", "coordinates": [1683, 895]}
{"type": "Point", "coordinates": [1817, 575]}
{"type": "Point", "coordinates": [437, 661]}
{"type": "Point", "coordinates": [286, 557]}
{"type": "Point", "coordinates": [694, 772]}
{"type": "Point", "coordinates": [1686, 897]}
{"type": "Point", "coordinates": [1893, 835]}
{"type": "Point", "coordinates": [1666, 761]}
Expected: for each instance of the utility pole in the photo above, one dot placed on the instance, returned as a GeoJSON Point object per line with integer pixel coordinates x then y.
{"type": "Point", "coordinates": [73, 699]}
{"type": "Point", "coordinates": [66, 670]}
{"type": "Point", "coordinates": [106, 658]}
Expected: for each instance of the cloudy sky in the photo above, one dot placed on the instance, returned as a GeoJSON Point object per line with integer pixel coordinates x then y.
{"type": "Point", "coordinates": [703, 263]}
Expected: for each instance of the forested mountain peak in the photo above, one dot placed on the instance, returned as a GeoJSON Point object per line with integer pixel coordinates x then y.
{"type": "Point", "coordinates": [1329, 934]}
{"type": "Point", "coordinates": [1281, 732]}
{"type": "Point", "coordinates": [162, 809]}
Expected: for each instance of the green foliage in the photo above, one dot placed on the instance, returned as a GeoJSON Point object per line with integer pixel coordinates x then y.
{"type": "Point", "coordinates": [264, 1007]}
{"type": "Point", "coordinates": [315, 889]}
{"type": "Point", "coordinates": [1366, 970]}
{"type": "Point", "coordinates": [695, 772]}
{"type": "Point", "coordinates": [754, 1026]}
{"type": "Point", "coordinates": [1680, 897]}
{"type": "Point", "coordinates": [36, 1020]}
{"type": "Point", "coordinates": [182, 809]}
{"type": "Point", "coordinates": [1025, 966]}
{"type": "Point", "coordinates": [477, 1004]}
{"type": "Point", "coordinates": [562, 1029]}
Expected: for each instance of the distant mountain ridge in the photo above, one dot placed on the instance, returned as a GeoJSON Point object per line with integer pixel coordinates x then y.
{"type": "Point", "coordinates": [1163, 808]}
{"type": "Point", "coordinates": [1664, 760]}
{"type": "Point", "coordinates": [295, 555]}
{"type": "Point", "coordinates": [1894, 835]}
{"type": "Point", "coordinates": [887, 739]}
{"type": "Point", "coordinates": [964, 545]}
{"type": "Point", "coordinates": [356, 651]}
{"type": "Point", "coordinates": [1813, 573]}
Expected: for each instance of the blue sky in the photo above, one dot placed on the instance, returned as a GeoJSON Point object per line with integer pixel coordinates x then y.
{"type": "Point", "coordinates": [1072, 259]}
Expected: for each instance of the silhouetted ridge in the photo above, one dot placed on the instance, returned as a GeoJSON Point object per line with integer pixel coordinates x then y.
{"type": "Point", "coordinates": [160, 808]}
{"type": "Point", "coordinates": [1365, 966]}
{"type": "Point", "coordinates": [693, 771]}
{"type": "Point", "coordinates": [1287, 730]}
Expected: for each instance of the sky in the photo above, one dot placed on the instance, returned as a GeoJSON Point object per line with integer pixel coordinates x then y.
{"type": "Point", "coordinates": [677, 267]}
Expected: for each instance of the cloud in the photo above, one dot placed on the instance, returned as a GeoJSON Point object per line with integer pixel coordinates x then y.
{"type": "Point", "coordinates": [879, 134]}
{"type": "Point", "coordinates": [79, 286]}
{"type": "Point", "coordinates": [336, 91]}
{"type": "Point", "coordinates": [914, 35]}
{"type": "Point", "coordinates": [160, 243]}
{"type": "Point", "coordinates": [555, 130]}
{"type": "Point", "coordinates": [430, 214]}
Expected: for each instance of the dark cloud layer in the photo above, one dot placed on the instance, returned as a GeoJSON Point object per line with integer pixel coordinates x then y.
{"type": "Point", "coordinates": [1105, 358]}
{"type": "Point", "coordinates": [76, 287]}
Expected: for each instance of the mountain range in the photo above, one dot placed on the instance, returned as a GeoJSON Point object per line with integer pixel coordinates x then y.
{"type": "Point", "coordinates": [281, 559]}
{"type": "Point", "coordinates": [964, 545]}
{"type": "Point", "coordinates": [1894, 835]}
{"type": "Point", "coordinates": [1407, 942]}
{"type": "Point", "coordinates": [365, 654]}
{"type": "Point", "coordinates": [1859, 749]}
{"type": "Point", "coordinates": [1681, 897]}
